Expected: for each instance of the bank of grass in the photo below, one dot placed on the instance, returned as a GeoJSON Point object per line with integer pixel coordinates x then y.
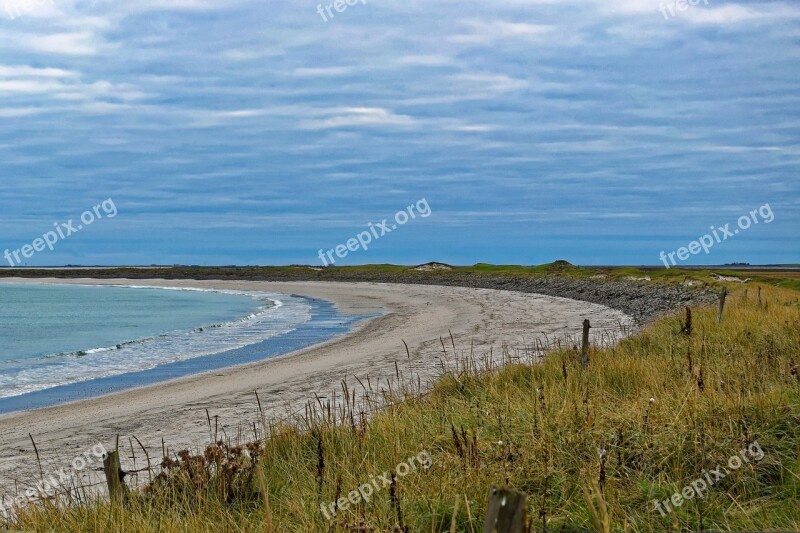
{"type": "Point", "coordinates": [542, 429]}
{"type": "Point", "coordinates": [365, 272]}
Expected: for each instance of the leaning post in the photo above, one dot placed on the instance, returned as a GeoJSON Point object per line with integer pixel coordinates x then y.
{"type": "Point", "coordinates": [117, 490]}
{"type": "Point", "coordinates": [585, 344]}
{"type": "Point", "coordinates": [722, 296]}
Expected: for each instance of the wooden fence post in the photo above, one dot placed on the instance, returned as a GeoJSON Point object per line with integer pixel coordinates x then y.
{"type": "Point", "coordinates": [759, 297]}
{"type": "Point", "coordinates": [722, 296]}
{"type": "Point", "coordinates": [507, 512]}
{"type": "Point", "coordinates": [117, 490]}
{"type": "Point", "coordinates": [585, 344]}
{"type": "Point", "coordinates": [687, 325]}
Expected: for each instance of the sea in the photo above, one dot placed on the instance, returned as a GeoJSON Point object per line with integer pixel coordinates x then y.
{"type": "Point", "coordinates": [62, 343]}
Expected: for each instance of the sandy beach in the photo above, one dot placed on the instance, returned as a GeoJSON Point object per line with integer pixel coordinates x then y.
{"type": "Point", "coordinates": [175, 411]}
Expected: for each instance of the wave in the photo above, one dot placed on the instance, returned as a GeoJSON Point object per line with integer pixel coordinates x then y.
{"type": "Point", "coordinates": [276, 315]}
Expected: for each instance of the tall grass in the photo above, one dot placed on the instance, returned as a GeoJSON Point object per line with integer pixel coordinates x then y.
{"type": "Point", "coordinates": [591, 448]}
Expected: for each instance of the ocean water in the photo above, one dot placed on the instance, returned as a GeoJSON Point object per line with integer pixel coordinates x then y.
{"type": "Point", "coordinates": [61, 343]}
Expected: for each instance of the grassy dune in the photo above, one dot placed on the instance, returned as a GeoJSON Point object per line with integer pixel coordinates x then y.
{"type": "Point", "coordinates": [355, 273]}
{"type": "Point", "coordinates": [592, 449]}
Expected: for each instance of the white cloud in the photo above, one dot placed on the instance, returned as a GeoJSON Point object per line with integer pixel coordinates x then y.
{"type": "Point", "coordinates": [704, 12]}
{"type": "Point", "coordinates": [743, 149]}
{"type": "Point", "coordinates": [248, 54]}
{"type": "Point", "coordinates": [732, 14]}
{"type": "Point", "coordinates": [359, 116]}
{"type": "Point", "coordinates": [104, 107]}
{"type": "Point", "coordinates": [52, 87]}
{"type": "Point", "coordinates": [16, 71]}
{"type": "Point", "coordinates": [431, 60]}
{"type": "Point", "coordinates": [75, 43]}
{"type": "Point", "coordinates": [484, 32]}
{"type": "Point", "coordinates": [489, 84]}
{"type": "Point", "coordinates": [322, 71]}
{"type": "Point", "coordinates": [11, 112]}
{"type": "Point", "coordinates": [29, 86]}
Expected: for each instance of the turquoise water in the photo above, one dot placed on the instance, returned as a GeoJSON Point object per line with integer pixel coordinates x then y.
{"type": "Point", "coordinates": [65, 342]}
{"type": "Point", "coordinates": [40, 320]}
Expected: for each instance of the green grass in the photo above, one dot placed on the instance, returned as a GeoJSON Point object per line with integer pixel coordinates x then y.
{"type": "Point", "coordinates": [399, 273]}
{"type": "Point", "coordinates": [536, 428]}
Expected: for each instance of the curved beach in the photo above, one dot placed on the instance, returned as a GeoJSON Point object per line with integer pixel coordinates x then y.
{"type": "Point", "coordinates": [480, 320]}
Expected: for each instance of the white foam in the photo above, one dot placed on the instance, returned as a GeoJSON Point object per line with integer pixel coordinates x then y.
{"type": "Point", "coordinates": [280, 315]}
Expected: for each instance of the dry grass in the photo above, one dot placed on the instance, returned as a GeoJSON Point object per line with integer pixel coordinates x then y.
{"type": "Point", "coordinates": [589, 448]}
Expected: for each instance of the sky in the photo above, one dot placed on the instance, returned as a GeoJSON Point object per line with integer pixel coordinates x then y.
{"type": "Point", "coordinates": [260, 132]}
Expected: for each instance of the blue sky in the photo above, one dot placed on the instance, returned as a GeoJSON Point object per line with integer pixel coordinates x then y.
{"type": "Point", "coordinates": [255, 132]}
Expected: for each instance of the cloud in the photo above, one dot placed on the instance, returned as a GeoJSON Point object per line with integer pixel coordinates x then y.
{"type": "Point", "coordinates": [472, 128]}
{"type": "Point", "coordinates": [247, 54]}
{"type": "Point", "coordinates": [359, 116]}
{"type": "Point", "coordinates": [707, 12]}
{"type": "Point", "coordinates": [209, 110]}
{"type": "Point", "coordinates": [11, 112]}
{"type": "Point", "coordinates": [15, 71]}
{"type": "Point", "coordinates": [481, 32]}
{"type": "Point", "coordinates": [318, 72]}
{"type": "Point", "coordinates": [71, 89]}
{"type": "Point", "coordinates": [725, 15]}
{"type": "Point", "coordinates": [28, 86]}
{"type": "Point", "coordinates": [425, 60]}
{"type": "Point", "coordinates": [53, 89]}
{"type": "Point", "coordinates": [467, 86]}
{"type": "Point", "coordinates": [75, 43]}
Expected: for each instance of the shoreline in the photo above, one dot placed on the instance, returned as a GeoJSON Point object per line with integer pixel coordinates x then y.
{"type": "Point", "coordinates": [640, 297]}
{"type": "Point", "coordinates": [479, 319]}
{"type": "Point", "coordinates": [323, 324]}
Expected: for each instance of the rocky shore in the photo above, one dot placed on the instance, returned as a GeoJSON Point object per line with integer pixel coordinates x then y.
{"type": "Point", "coordinates": [643, 300]}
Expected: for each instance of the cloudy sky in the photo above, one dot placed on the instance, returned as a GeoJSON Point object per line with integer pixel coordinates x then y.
{"type": "Point", "coordinates": [256, 132]}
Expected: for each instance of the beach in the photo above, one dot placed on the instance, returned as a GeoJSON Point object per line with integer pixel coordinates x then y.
{"type": "Point", "coordinates": [481, 321]}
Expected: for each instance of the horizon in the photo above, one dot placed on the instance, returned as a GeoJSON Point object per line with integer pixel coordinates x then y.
{"type": "Point", "coordinates": [733, 266]}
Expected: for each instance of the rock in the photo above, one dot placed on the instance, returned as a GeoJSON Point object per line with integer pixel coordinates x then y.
{"type": "Point", "coordinates": [718, 277]}
{"type": "Point", "coordinates": [429, 267]}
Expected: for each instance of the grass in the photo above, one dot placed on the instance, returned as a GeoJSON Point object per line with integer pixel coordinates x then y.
{"type": "Point", "coordinates": [647, 417]}
{"type": "Point", "coordinates": [387, 273]}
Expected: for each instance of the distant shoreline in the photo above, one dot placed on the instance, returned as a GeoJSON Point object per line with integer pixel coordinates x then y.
{"type": "Point", "coordinates": [601, 285]}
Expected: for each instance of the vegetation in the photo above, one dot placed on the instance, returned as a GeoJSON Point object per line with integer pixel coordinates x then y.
{"type": "Point", "coordinates": [591, 448]}
{"type": "Point", "coordinates": [385, 272]}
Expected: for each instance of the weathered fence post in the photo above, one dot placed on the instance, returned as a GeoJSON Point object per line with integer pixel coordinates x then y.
{"type": "Point", "coordinates": [759, 297]}
{"type": "Point", "coordinates": [117, 490]}
{"type": "Point", "coordinates": [687, 325]}
{"type": "Point", "coordinates": [507, 511]}
{"type": "Point", "coordinates": [722, 296]}
{"type": "Point", "coordinates": [585, 344]}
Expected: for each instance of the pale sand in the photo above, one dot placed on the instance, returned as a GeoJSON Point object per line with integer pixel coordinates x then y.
{"type": "Point", "coordinates": [479, 319]}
